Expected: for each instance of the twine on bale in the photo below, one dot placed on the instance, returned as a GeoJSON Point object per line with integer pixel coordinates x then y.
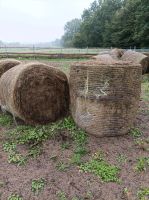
{"type": "Point", "coordinates": [6, 64]}
{"type": "Point", "coordinates": [35, 93]}
{"type": "Point", "coordinates": [108, 105]}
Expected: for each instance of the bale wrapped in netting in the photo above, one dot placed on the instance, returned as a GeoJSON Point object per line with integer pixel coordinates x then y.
{"type": "Point", "coordinates": [6, 64]}
{"type": "Point", "coordinates": [105, 97]}
{"type": "Point", "coordinates": [117, 53]}
{"type": "Point", "coordinates": [35, 93]}
{"type": "Point", "coordinates": [137, 57]}
{"type": "Point", "coordinates": [105, 58]}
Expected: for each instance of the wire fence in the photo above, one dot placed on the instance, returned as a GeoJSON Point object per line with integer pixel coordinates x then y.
{"type": "Point", "coordinates": [4, 49]}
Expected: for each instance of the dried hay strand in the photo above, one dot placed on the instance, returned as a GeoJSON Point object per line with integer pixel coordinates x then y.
{"type": "Point", "coordinates": [117, 53]}
{"type": "Point", "coordinates": [137, 57]}
{"type": "Point", "coordinates": [105, 97]}
{"type": "Point", "coordinates": [6, 64]}
{"type": "Point", "coordinates": [35, 93]}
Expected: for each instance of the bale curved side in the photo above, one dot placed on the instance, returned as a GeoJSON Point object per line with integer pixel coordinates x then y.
{"type": "Point", "coordinates": [117, 53]}
{"type": "Point", "coordinates": [6, 64]}
{"type": "Point", "coordinates": [105, 98]}
{"type": "Point", "coordinates": [105, 58]}
{"type": "Point", "coordinates": [137, 57]}
{"type": "Point", "coordinates": [35, 92]}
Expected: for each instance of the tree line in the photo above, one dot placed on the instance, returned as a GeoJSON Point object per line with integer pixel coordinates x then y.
{"type": "Point", "coordinates": [110, 23]}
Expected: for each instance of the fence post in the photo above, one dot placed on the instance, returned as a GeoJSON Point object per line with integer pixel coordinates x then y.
{"type": "Point", "coordinates": [6, 51]}
{"type": "Point", "coordinates": [34, 52]}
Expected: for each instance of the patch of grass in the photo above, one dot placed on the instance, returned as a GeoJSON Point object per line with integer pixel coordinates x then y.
{"type": "Point", "coordinates": [127, 194]}
{"type": "Point", "coordinates": [34, 152]}
{"type": "Point", "coordinates": [143, 194]}
{"type": "Point", "coordinates": [89, 195]}
{"type": "Point", "coordinates": [15, 197]}
{"type": "Point", "coordinates": [99, 167]}
{"type": "Point", "coordinates": [143, 144]}
{"type": "Point", "coordinates": [122, 158]}
{"type": "Point", "coordinates": [33, 137]}
{"type": "Point", "coordinates": [61, 195]}
{"type": "Point", "coordinates": [145, 89]}
{"type": "Point", "coordinates": [76, 159]}
{"type": "Point", "coordinates": [76, 198]}
{"type": "Point", "coordinates": [6, 120]}
{"type": "Point", "coordinates": [142, 164]}
{"type": "Point", "coordinates": [17, 158]}
{"type": "Point", "coordinates": [38, 185]}
{"type": "Point", "coordinates": [9, 147]}
{"type": "Point", "coordinates": [135, 132]}
{"type": "Point", "coordinates": [65, 145]}
{"type": "Point", "coordinates": [62, 166]}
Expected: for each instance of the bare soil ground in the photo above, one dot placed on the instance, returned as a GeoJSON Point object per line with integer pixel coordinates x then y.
{"type": "Point", "coordinates": [64, 181]}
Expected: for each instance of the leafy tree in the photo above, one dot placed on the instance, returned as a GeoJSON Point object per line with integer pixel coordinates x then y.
{"type": "Point", "coordinates": [71, 28]}
{"type": "Point", "coordinates": [106, 23]}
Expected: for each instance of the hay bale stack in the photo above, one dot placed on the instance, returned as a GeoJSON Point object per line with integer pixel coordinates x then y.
{"type": "Point", "coordinates": [35, 92]}
{"type": "Point", "coordinates": [117, 53]}
{"type": "Point", "coordinates": [6, 64]}
{"type": "Point", "coordinates": [105, 98]}
{"type": "Point", "coordinates": [137, 57]}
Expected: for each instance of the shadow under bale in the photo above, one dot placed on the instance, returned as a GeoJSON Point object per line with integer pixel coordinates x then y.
{"type": "Point", "coordinates": [35, 92]}
{"type": "Point", "coordinates": [105, 97]}
{"type": "Point", "coordinates": [6, 64]}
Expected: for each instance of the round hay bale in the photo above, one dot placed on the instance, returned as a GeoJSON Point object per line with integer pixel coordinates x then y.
{"type": "Point", "coordinates": [117, 53]}
{"type": "Point", "coordinates": [6, 64]}
{"type": "Point", "coordinates": [137, 57]}
{"type": "Point", "coordinates": [105, 98]}
{"type": "Point", "coordinates": [35, 93]}
{"type": "Point", "coordinates": [105, 58]}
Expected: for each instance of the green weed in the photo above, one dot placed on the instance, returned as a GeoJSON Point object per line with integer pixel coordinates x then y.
{"type": "Point", "coordinates": [65, 145]}
{"type": "Point", "coordinates": [34, 152]}
{"type": "Point", "coordinates": [142, 164]}
{"type": "Point", "coordinates": [122, 158]}
{"type": "Point", "coordinates": [37, 186]}
{"type": "Point", "coordinates": [143, 144]}
{"type": "Point", "coordinates": [9, 147]}
{"type": "Point", "coordinates": [135, 132]}
{"type": "Point", "coordinates": [76, 159]}
{"type": "Point", "coordinates": [33, 137]}
{"type": "Point", "coordinates": [62, 166]}
{"type": "Point", "coordinates": [6, 120]}
{"type": "Point", "coordinates": [17, 158]}
{"type": "Point", "coordinates": [98, 166]}
{"type": "Point", "coordinates": [143, 194]}
{"type": "Point", "coordinates": [15, 197]}
{"type": "Point", "coordinates": [61, 195]}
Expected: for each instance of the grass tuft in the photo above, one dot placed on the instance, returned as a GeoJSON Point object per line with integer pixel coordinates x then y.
{"type": "Point", "coordinates": [98, 166]}
{"type": "Point", "coordinates": [143, 194]}
{"type": "Point", "coordinates": [37, 186]}
{"type": "Point", "coordinates": [6, 120]}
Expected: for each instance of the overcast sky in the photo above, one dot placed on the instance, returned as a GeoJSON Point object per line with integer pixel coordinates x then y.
{"type": "Point", "coordinates": [32, 21]}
